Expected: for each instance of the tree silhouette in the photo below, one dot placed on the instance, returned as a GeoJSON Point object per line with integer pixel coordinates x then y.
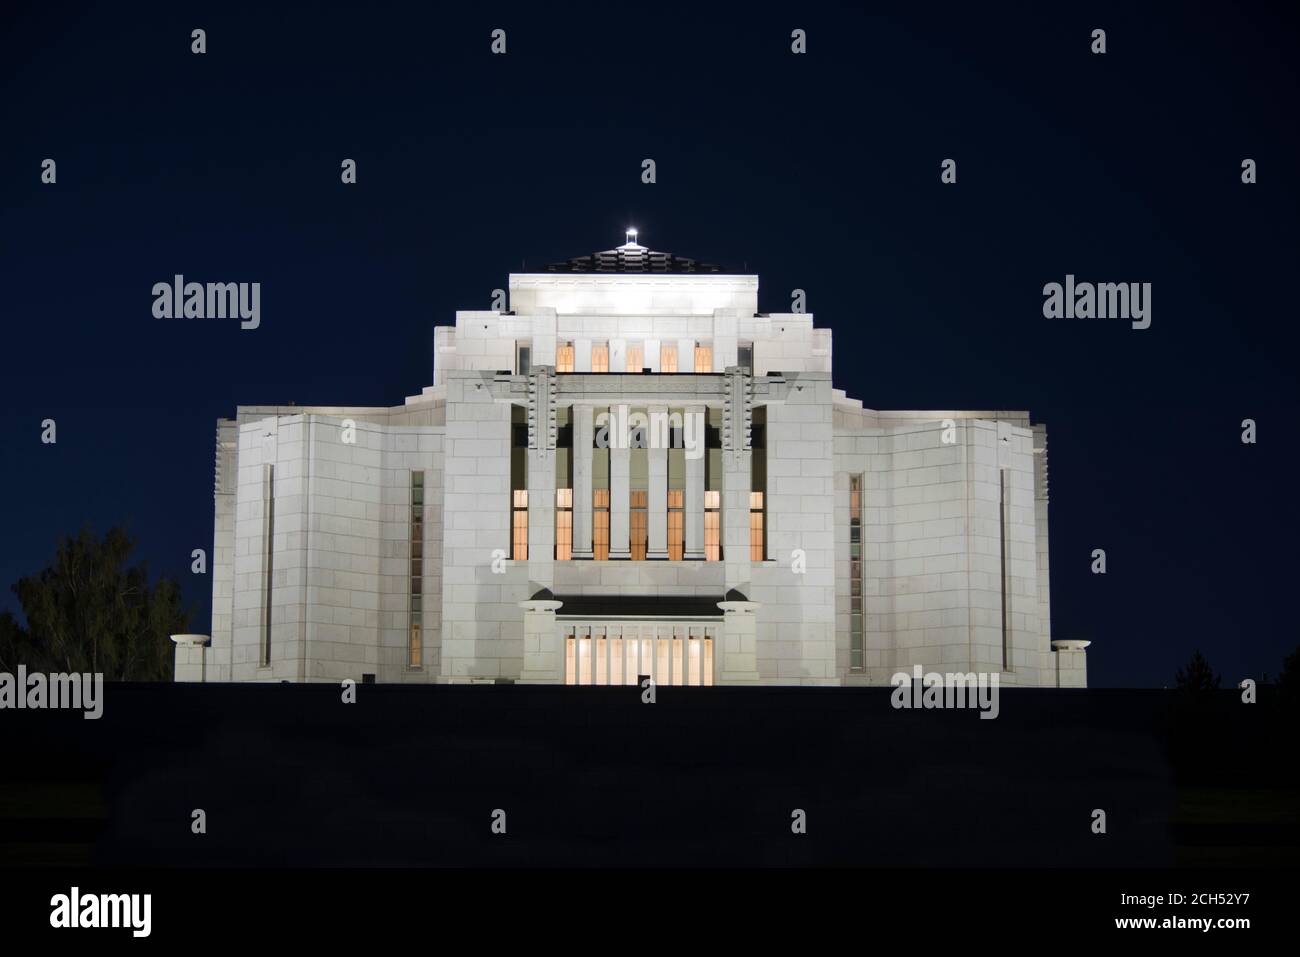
{"type": "Point", "coordinates": [88, 611]}
{"type": "Point", "coordinates": [1198, 676]}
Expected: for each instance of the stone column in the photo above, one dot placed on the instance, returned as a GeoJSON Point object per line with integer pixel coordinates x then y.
{"type": "Point", "coordinates": [541, 475]}
{"type": "Point", "coordinates": [694, 497]}
{"type": "Point", "coordinates": [543, 645]}
{"type": "Point", "coordinates": [657, 453]}
{"type": "Point", "coordinates": [685, 355]}
{"type": "Point", "coordinates": [620, 500]}
{"type": "Point", "coordinates": [736, 479]}
{"type": "Point", "coordinates": [583, 417]}
{"type": "Point", "coordinates": [736, 660]}
{"type": "Point", "coordinates": [541, 516]}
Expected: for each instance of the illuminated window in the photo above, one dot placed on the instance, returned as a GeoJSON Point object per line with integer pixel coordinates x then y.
{"type": "Point", "coordinates": [600, 523]}
{"type": "Point", "coordinates": [519, 525]}
{"type": "Point", "coordinates": [600, 357]}
{"type": "Point", "coordinates": [415, 630]}
{"type": "Point", "coordinates": [703, 357]}
{"type": "Point", "coordinates": [618, 654]}
{"type": "Point", "coordinates": [564, 357]}
{"type": "Point", "coordinates": [563, 524]}
{"type": "Point", "coordinates": [712, 526]}
{"type": "Point", "coordinates": [676, 524]}
{"type": "Point", "coordinates": [756, 550]}
{"type": "Point", "coordinates": [667, 358]}
{"type": "Point", "coordinates": [635, 357]}
{"type": "Point", "coordinates": [855, 572]}
{"type": "Point", "coordinates": [638, 515]}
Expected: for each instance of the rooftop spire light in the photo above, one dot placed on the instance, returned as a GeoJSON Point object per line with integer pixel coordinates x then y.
{"type": "Point", "coordinates": [631, 234]}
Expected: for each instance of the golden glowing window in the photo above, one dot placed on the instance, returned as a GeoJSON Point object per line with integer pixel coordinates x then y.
{"type": "Point", "coordinates": [676, 524]}
{"type": "Point", "coordinates": [600, 524]}
{"type": "Point", "coordinates": [564, 357]}
{"type": "Point", "coordinates": [667, 358]}
{"type": "Point", "coordinates": [703, 358]}
{"type": "Point", "coordinates": [619, 654]}
{"type": "Point", "coordinates": [519, 525]}
{"type": "Point", "coordinates": [756, 550]}
{"type": "Point", "coordinates": [600, 357]}
{"type": "Point", "coordinates": [635, 357]}
{"type": "Point", "coordinates": [638, 514]}
{"type": "Point", "coordinates": [563, 524]}
{"type": "Point", "coordinates": [712, 526]}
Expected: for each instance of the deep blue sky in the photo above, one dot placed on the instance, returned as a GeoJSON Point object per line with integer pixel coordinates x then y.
{"type": "Point", "coordinates": [818, 171]}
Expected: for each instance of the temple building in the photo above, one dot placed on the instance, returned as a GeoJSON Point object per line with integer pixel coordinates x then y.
{"type": "Point", "coordinates": [627, 470]}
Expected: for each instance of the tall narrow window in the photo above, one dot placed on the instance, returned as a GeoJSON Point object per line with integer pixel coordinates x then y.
{"type": "Point", "coordinates": [756, 549]}
{"type": "Point", "coordinates": [676, 524]}
{"type": "Point", "coordinates": [415, 633]}
{"type": "Point", "coordinates": [600, 357]}
{"type": "Point", "coordinates": [268, 501]}
{"type": "Point", "coordinates": [855, 572]}
{"type": "Point", "coordinates": [635, 357]}
{"type": "Point", "coordinates": [519, 525]}
{"type": "Point", "coordinates": [563, 524]}
{"type": "Point", "coordinates": [1002, 550]}
{"type": "Point", "coordinates": [523, 357]}
{"type": "Point", "coordinates": [703, 357]}
{"type": "Point", "coordinates": [564, 357]}
{"type": "Point", "coordinates": [668, 357]}
{"type": "Point", "coordinates": [758, 486]}
{"type": "Point", "coordinates": [600, 524]}
{"type": "Point", "coordinates": [638, 518]}
{"type": "Point", "coordinates": [712, 526]}
{"type": "Point", "coordinates": [745, 356]}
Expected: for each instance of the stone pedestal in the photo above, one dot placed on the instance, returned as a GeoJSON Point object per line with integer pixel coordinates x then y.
{"type": "Point", "coordinates": [1071, 663]}
{"type": "Point", "coordinates": [736, 662]}
{"type": "Point", "coordinates": [191, 663]}
{"type": "Point", "coordinates": [543, 648]}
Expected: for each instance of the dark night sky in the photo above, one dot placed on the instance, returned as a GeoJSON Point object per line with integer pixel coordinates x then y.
{"type": "Point", "coordinates": [817, 171]}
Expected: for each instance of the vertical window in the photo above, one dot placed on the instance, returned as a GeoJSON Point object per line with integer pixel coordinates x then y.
{"type": "Point", "coordinates": [268, 502]}
{"type": "Point", "coordinates": [563, 524]}
{"type": "Point", "coordinates": [668, 358]}
{"type": "Point", "coordinates": [703, 357]}
{"type": "Point", "coordinates": [676, 524]}
{"type": "Point", "coordinates": [564, 357]}
{"type": "Point", "coordinates": [745, 356]}
{"type": "Point", "coordinates": [519, 525]}
{"type": "Point", "coordinates": [855, 572]}
{"type": "Point", "coordinates": [638, 515]}
{"type": "Point", "coordinates": [600, 357]}
{"type": "Point", "coordinates": [415, 632]}
{"type": "Point", "coordinates": [600, 524]}
{"type": "Point", "coordinates": [712, 526]}
{"type": "Point", "coordinates": [758, 486]}
{"type": "Point", "coordinates": [1002, 549]}
{"type": "Point", "coordinates": [635, 357]}
{"type": "Point", "coordinates": [523, 357]}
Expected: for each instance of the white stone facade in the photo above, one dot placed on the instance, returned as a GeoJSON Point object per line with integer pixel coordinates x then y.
{"type": "Point", "coordinates": [337, 529]}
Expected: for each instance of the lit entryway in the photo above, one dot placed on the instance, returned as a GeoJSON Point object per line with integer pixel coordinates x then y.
{"type": "Point", "coordinates": [617, 653]}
